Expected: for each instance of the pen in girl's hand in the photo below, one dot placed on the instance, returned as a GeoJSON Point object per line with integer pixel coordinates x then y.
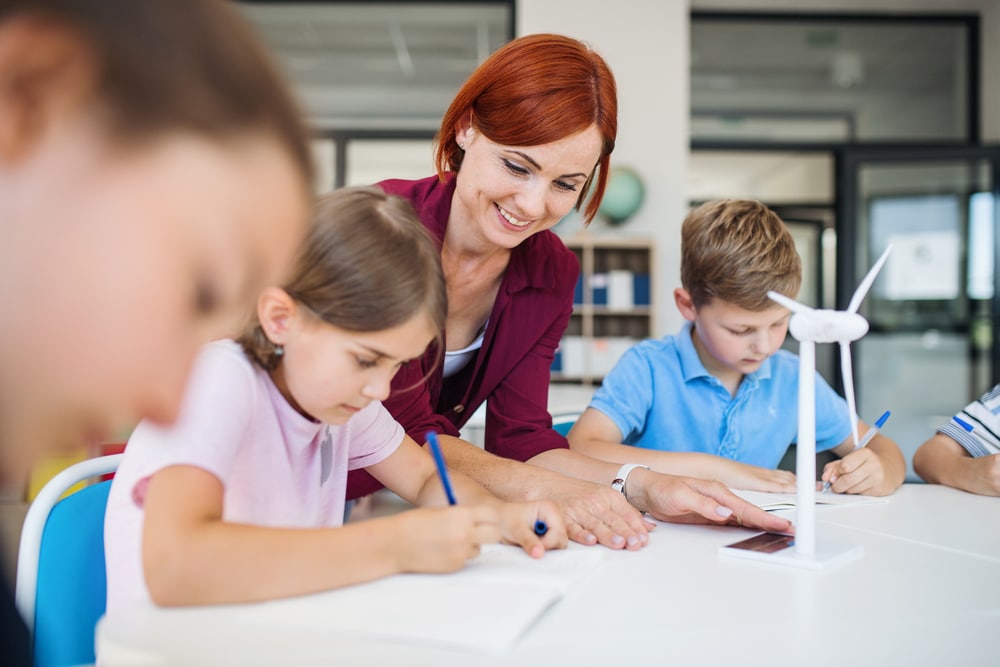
{"type": "Point", "coordinates": [868, 437]}
{"type": "Point", "coordinates": [540, 527]}
{"type": "Point", "coordinates": [432, 442]}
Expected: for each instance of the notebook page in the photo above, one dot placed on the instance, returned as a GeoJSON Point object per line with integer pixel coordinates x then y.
{"type": "Point", "coordinates": [778, 501]}
{"type": "Point", "coordinates": [484, 607]}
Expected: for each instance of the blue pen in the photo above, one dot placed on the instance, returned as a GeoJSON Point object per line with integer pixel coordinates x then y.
{"type": "Point", "coordinates": [872, 432]}
{"type": "Point", "coordinates": [432, 441]}
{"type": "Point", "coordinates": [868, 437]}
{"type": "Point", "coordinates": [540, 526]}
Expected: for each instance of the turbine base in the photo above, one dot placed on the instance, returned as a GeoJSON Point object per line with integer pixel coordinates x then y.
{"type": "Point", "coordinates": [780, 550]}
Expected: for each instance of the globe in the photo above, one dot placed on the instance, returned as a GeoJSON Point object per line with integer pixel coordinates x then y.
{"type": "Point", "coordinates": [623, 195]}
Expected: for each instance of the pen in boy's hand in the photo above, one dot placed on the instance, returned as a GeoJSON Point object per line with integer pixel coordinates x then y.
{"type": "Point", "coordinates": [873, 431]}
{"type": "Point", "coordinates": [541, 528]}
{"type": "Point", "coordinates": [432, 442]}
{"type": "Point", "coordinates": [868, 437]}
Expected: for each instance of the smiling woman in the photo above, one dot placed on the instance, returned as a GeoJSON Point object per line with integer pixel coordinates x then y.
{"type": "Point", "coordinates": [522, 144]}
{"type": "Point", "coordinates": [527, 139]}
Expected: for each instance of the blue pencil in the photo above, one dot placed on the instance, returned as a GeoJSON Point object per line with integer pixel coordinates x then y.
{"type": "Point", "coordinates": [432, 442]}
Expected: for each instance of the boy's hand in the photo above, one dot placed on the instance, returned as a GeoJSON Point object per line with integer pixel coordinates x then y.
{"type": "Point", "coordinates": [755, 478]}
{"type": "Point", "coordinates": [442, 539]}
{"type": "Point", "coordinates": [984, 475]}
{"type": "Point", "coordinates": [860, 472]}
{"type": "Point", "coordinates": [517, 526]}
{"type": "Point", "coordinates": [691, 500]}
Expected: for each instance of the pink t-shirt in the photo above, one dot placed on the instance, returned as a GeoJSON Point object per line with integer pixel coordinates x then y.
{"type": "Point", "coordinates": [278, 467]}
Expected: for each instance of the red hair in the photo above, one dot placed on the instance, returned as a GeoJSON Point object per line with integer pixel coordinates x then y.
{"type": "Point", "coordinates": [535, 90]}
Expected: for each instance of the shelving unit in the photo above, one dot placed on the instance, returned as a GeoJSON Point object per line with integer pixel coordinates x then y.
{"type": "Point", "coordinates": [613, 307]}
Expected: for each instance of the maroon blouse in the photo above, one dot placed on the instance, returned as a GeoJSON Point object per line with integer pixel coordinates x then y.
{"type": "Point", "coordinates": [512, 368]}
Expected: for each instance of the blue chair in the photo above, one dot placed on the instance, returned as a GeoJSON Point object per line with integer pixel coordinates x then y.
{"type": "Point", "coordinates": [61, 581]}
{"type": "Point", "coordinates": [562, 422]}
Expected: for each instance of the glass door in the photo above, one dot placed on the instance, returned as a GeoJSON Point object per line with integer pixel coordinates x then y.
{"type": "Point", "coordinates": [932, 345]}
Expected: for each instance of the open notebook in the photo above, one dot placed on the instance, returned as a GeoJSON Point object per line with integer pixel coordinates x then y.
{"type": "Point", "coordinates": [781, 501]}
{"type": "Point", "coordinates": [484, 607]}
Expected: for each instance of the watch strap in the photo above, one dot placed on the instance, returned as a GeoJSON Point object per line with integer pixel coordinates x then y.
{"type": "Point", "coordinates": [621, 478]}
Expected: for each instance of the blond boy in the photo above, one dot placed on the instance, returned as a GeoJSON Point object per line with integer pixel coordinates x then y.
{"type": "Point", "coordinates": [719, 399]}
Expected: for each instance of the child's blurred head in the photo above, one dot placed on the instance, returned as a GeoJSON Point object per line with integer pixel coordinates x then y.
{"type": "Point", "coordinates": [145, 70]}
{"type": "Point", "coordinates": [368, 294]}
{"type": "Point", "coordinates": [732, 253]}
{"type": "Point", "coordinates": [155, 175]}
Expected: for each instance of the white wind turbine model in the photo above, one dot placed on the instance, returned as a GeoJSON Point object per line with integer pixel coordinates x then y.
{"type": "Point", "coordinates": [810, 326]}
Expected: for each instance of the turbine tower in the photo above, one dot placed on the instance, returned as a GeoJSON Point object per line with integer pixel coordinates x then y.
{"type": "Point", "coordinates": [810, 326]}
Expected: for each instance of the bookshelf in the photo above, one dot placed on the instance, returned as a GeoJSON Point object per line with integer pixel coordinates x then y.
{"type": "Point", "coordinates": [613, 306]}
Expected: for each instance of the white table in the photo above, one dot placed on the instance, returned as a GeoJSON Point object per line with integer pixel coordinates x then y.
{"type": "Point", "coordinates": [925, 592]}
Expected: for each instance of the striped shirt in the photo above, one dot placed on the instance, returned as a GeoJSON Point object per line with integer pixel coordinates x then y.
{"type": "Point", "coordinates": [977, 426]}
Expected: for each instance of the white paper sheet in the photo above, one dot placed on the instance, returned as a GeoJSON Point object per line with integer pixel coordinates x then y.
{"type": "Point", "coordinates": [485, 607]}
{"type": "Point", "coordinates": [780, 501]}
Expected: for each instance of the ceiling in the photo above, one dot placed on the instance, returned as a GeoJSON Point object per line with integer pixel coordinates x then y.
{"type": "Point", "coordinates": [363, 65]}
{"type": "Point", "coordinates": [380, 65]}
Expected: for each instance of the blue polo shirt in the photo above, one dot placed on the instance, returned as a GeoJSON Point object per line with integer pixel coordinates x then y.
{"type": "Point", "coordinates": [661, 397]}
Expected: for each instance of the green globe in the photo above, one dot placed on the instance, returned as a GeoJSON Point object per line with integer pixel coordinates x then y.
{"type": "Point", "coordinates": [623, 195]}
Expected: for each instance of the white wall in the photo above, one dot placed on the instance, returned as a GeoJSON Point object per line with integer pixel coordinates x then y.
{"type": "Point", "coordinates": [646, 44]}
{"type": "Point", "coordinates": [989, 68]}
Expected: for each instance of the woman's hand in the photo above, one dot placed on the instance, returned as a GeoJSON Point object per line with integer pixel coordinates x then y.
{"type": "Point", "coordinates": [596, 514]}
{"type": "Point", "coordinates": [691, 500]}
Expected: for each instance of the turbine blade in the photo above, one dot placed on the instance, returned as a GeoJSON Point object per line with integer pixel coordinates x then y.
{"type": "Point", "coordinates": [847, 373]}
{"type": "Point", "coordinates": [790, 304]}
{"type": "Point", "coordinates": [859, 294]}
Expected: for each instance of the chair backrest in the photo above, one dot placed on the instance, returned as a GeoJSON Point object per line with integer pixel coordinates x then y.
{"type": "Point", "coordinates": [61, 580]}
{"type": "Point", "coordinates": [562, 422]}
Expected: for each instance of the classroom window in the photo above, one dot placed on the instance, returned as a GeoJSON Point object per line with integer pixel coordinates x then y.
{"type": "Point", "coordinates": [833, 79]}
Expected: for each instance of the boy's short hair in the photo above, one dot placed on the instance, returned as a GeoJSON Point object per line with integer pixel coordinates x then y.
{"type": "Point", "coordinates": [736, 250]}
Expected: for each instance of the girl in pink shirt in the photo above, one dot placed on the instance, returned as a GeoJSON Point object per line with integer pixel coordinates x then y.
{"type": "Point", "coordinates": [243, 498]}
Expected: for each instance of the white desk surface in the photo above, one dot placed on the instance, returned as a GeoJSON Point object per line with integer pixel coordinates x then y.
{"type": "Point", "coordinates": [925, 592]}
{"type": "Point", "coordinates": [934, 515]}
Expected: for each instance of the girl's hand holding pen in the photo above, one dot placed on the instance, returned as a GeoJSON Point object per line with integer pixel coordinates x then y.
{"type": "Point", "coordinates": [534, 526]}
{"type": "Point", "coordinates": [442, 539]}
